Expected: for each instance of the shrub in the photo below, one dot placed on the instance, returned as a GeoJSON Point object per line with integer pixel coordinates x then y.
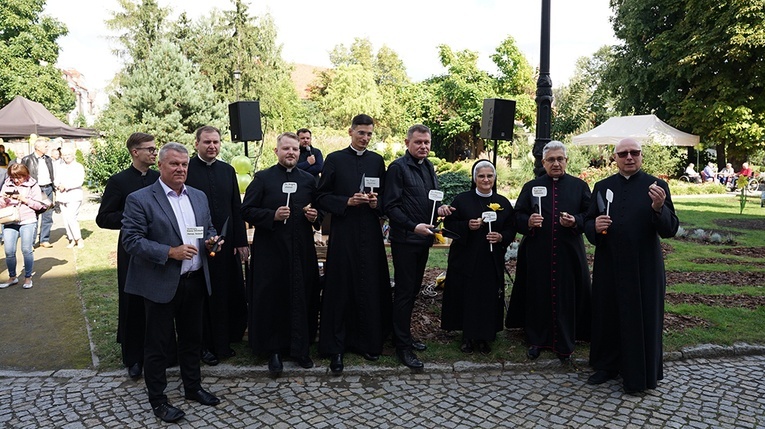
{"type": "Point", "coordinates": [453, 183]}
{"type": "Point", "coordinates": [106, 158]}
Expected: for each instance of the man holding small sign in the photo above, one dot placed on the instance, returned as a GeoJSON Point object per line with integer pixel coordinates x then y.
{"type": "Point", "coordinates": [411, 201]}
{"type": "Point", "coordinates": [551, 294]}
{"type": "Point", "coordinates": [284, 267]}
{"type": "Point", "coordinates": [356, 302]}
{"type": "Point", "coordinates": [629, 282]}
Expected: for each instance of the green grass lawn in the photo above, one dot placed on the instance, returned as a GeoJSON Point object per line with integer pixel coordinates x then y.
{"type": "Point", "coordinates": [725, 325]}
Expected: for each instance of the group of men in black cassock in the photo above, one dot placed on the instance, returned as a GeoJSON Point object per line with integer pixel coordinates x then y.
{"type": "Point", "coordinates": [553, 300]}
{"type": "Point", "coordinates": [622, 312]}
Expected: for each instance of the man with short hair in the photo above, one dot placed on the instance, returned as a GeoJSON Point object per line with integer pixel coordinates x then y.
{"type": "Point", "coordinates": [632, 211]}
{"type": "Point", "coordinates": [166, 228]}
{"type": "Point", "coordinates": [356, 301]}
{"type": "Point", "coordinates": [310, 159]}
{"type": "Point", "coordinates": [225, 315]}
{"type": "Point", "coordinates": [409, 181]}
{"type": "Point", "coordinates": [40, 167]}
{"type": "Point", "coordinates": [131, 316]}
{"type": "Point", "coordinates": [284, 267]}
{"type": "Point", "coordinates": [551, 295]}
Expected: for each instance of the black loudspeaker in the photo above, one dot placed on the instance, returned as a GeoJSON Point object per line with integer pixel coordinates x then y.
{"type": "Point", "coordinates": [244, 119]}
{"type": "Point", "coordinates": [498, 119]}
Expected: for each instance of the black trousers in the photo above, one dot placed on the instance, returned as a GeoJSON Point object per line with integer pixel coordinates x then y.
{"type": "Point", "coordinates": [181, 316]}
{"type": "Point", "coordinates": [409, 262]}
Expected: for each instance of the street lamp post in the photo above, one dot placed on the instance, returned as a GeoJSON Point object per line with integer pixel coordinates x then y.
{"type": "Point", "coordinates": [544, 91]}
{"type": "Point", "coordinates": [237, 76]}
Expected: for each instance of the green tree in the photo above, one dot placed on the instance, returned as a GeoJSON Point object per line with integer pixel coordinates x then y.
{"type": "Point", "coordinates": [697, 64]}
{"type": "Point", "coordinates": [165, 95]}
{"type": "Point", "coordinates": [140, 26]}
{"type": "Point", "coordinates": [28, 54]}
{"type": "Point", "coordinates": [515, 80]}
{"type": "Point", "coordinates": [351, 90]}
{"type": "Point", "coordinates": [234, 40]}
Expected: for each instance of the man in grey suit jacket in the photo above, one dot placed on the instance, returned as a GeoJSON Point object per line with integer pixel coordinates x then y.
{"type": "Point", "coordinates": [164, 227]}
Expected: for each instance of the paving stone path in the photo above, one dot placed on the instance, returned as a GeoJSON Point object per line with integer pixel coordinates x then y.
{"type": "Point", "coordinates": [725, 392]}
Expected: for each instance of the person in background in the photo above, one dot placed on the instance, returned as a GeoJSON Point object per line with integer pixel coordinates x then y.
{"type": "Point", "coordinates": [167, 228]}
{"type": "Point", "coordinates": [310, 159]}
{"type": "Point", "coordinates": [225, 310]}
{"type": "Point", "coordinates": [41, 169]}
{"type": "Point", "coordinates": [745, 170]}
{"type": "Point", "coordinates": [20, 190]}
{"type": "Point", "coordinates": [131, 316]}
{"type": "Point", "coordinates": [727, 175]}
{"type": "Point", "coordinates": [284, 266]}
{"type": "Point", "coordinates": [474, 291]}
{"type": "Point", "coordinates": [356, 301]}
{"type": "Point", "coordinates": [709, 172]}
{"type": "Point", "coordinates": [5, 159]}
{"type": "Point", "coordinates": [70, 175]}
{"type": "Point", "coordinates": [628, 281]}
{"type": "Point", "coordinates": [550, 299]}
{"type": "Point", "coordinates": [693, 176]}
{"type": "Point", "coordinates": [408, 182]}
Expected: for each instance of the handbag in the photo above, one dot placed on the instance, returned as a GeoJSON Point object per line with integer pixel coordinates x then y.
{"type": "Point", "coordinates": [9, 214]}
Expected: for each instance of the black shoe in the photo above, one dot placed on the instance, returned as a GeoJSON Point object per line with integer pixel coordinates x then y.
{"type": "Point", "coordinates": [564, 359]}
{"type": "Point", "coordinates": [135, 370]}
{"type": "Point", "coordinates": [370, 357]}
{"type": "Point", "coordinates": [336, 363]}
{"type": "Point", "coordinates": [483, 347]}
{"type": "Point", "coordinates": [466, 347]}
{"type": "Point", "coordinates": [275, 366]}
{"type": "Point", "coordinates": [420, 347]}
{"type": "Point", "coordinates": [231, 353]}
{"type": "Point", "coordinates": [203, 397]}
{"type": "Point", "coordinates": [304, 362]}
{"type": "Point", "coordinates": [533, 352]}
{"type": "Point", "coordinates": [209, 358]}
{"type": "Point", "coordinates": [601, 376]}
{"type": "Point", "coordinates": [168, 413]}
{"type": "Point", "coordinates": [408, 358]}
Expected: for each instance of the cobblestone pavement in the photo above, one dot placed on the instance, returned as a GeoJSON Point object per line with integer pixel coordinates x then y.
{"type": "Point", "coordinates": [725, 392]}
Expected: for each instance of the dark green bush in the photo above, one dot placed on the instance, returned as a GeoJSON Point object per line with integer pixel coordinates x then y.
{"type": "Point", "coordinates": [104, 160]}
{"type": "Point", "coordinates": [453, 183]}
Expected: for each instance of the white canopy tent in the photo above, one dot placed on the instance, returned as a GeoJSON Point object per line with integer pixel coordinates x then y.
{"type": "Point", "coordinates": [647, 129]}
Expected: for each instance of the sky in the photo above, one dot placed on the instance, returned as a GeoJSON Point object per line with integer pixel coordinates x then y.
{"type": "Point", "coordinates": [309, 29]}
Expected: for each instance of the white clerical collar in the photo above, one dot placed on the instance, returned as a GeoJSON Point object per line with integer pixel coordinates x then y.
{"type": "Point", "coordinates": [208, 163]}
{"type": "Point", "coordinates": [481, 194]}
{"type": "Point", "coordinates": [358, 152]}
{"type": "Point", "coordinates": [625, 176]}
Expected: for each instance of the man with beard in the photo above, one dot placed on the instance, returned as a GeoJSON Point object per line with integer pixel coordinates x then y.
{"type": "Point", "coordinates": [225, 315]}
{"type": "Point", "coordinates": [284, 267]}
{"type": "Point", "coordinates": [356, 301]}
{"type": "Point", "coordinates": [130, 313]}
{"type": "Point", "coordinates": [628, 278]}
{"type": "Point", "coordinates": [551, 294]}
{"type": "Point", "coordinates": [310, 159]}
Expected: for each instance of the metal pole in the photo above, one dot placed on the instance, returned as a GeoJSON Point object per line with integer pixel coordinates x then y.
{"type": "Point", "coordinates": [544, 92]}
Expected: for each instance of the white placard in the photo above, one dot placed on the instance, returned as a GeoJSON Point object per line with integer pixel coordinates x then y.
{"type": "Point", "coordinates": [609, 199]}
{"type": "Point", "coordinates": [372, 182]}
{"type": "Point", "coordinates": [289, 188]}
{"type": "Point", "coordinates": [436, 195]}
{"type": "Point", "coordinates": [195, 232]}
{"type": "Point", "coordinates": [539, 191]}
{"type": "Point", "coordinates": [489, 217]}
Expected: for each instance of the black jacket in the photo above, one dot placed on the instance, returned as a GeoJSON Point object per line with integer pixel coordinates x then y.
{"type": "Point", "coordinates": [406, 199]}
{"type": "Point", "coordinates": [31, 162]}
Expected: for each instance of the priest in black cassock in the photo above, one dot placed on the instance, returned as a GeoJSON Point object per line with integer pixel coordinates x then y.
{"type": "Point", "coordinates": [284, 267]}
{"type": "Point", "coordinates": [356, 300]}
{"type": "Point", "coordinates": [225, 310]}
{"type": "Point", "coordinates": [474, 292]}
{"type": "Point", "coordinates": [551, 294]}
{"type": "Point", "coordinates": [628, 281]}
{"type": "Point", "coordinates": [131, 317]}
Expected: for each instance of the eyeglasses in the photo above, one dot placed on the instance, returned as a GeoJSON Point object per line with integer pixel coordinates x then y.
{"type": "Point", "coordinates": [634, 153]}
{"type": "Point", "coordinates": [148, 149]}
{"type": "Point", "coordinates": [559, 160]}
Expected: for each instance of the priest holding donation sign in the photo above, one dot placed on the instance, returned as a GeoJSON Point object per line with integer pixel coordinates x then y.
{"type": "Point", "coordinates": [284, 267]}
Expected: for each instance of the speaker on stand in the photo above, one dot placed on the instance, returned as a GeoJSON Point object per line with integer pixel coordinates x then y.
{"type": "Point", "coordinates": [244, 121]}
{"type": "Point", "coordinates": [497, 121]}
